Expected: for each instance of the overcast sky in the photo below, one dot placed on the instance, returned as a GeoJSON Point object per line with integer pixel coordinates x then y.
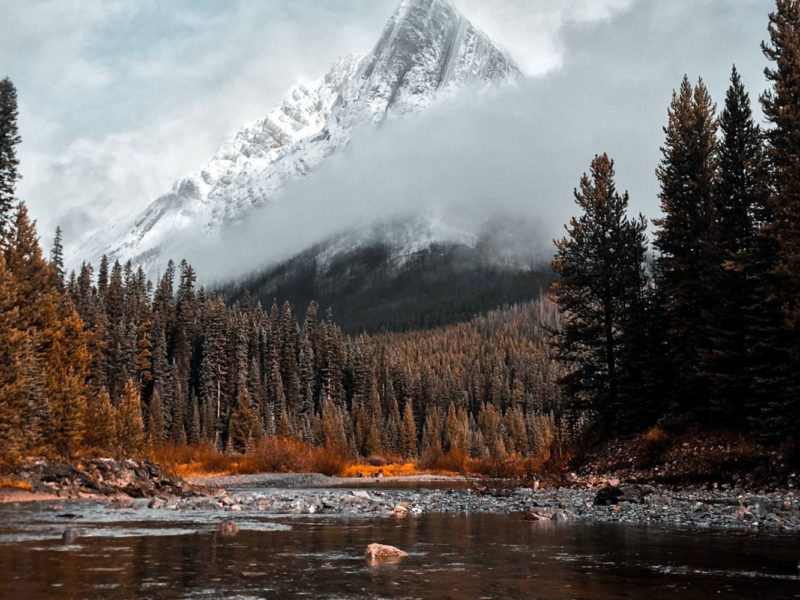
{"type": "Point", "coordinates": [118, 98]}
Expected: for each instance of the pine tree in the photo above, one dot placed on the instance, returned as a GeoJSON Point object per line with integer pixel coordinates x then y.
{"type": "Point", "coordinates": [9, 163]}
{"type": "Point", "coordinates": [156, 423]}
{"type": "Point", "coordinates": [36, 416]}
{"type": "Point", "coordinates": [686, 174]}
{"type": "Point", "coordinates": [408, 433]}
{"type": "Point", "coordinates": [35, 293]}
{"type": "Point", "coordinates": [130, 424]}
{"type": "Point", "coordinates": [101, 434]}
{"type": "Point", "coordinates": [392, 427]}
{"type": "Point", "coordinates": [781, 108]}
{"type": "Point", "coordinates": [600, 264]}
{"type": "Point", "coordinates": [374, 444]}
{"type": "Point", "coordinates": [432, 435]}
{"type": "Point", "coordinates": [57, 259]}
{"type": "Point", "coordinates": [456, 430]}
{"type": "Point", "coordinates": [739, 200]}
{"type": "Point", "coordinates": [12, 339]}
{"type": "Point", "coordinates": [194, 433]}
{"type": "Point", "coordinates": [245, 428]}
{"type": "Point", "coordinates": [66, 361]}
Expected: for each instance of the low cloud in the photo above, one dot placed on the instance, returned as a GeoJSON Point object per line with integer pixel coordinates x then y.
{"type": "Point", "coordinates": [119, 98]}
{"type": "Point", "coordinates": [518, 151]}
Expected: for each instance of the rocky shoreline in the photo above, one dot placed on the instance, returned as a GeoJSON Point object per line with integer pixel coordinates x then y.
{"type": "Point", "coordinates": [632, 504]}
{"type": "Point", "coordinates": [98, 478]}
{"type": "Point", "coordinates": [121, 482]}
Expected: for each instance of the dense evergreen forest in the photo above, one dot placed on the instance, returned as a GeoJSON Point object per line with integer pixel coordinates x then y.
{"type": "Point", "coordinates": [707, 332]}
{"type": "Point", "coordinates": [368, 291]}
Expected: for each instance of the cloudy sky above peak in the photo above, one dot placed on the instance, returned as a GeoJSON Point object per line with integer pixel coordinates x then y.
{"type": "Point", "coordinates": [118, 98]}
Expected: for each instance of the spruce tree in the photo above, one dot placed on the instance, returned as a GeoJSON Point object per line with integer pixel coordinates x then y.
{"type": "Point", "coordinates": [781, 108]}
{"type": "Point", "coordinates": [685, 260]}
{"type": "Point", "coordinates": [245, 428]}
{"type": "Point", "coordinates": [57, 259]}
{"type": "Point", "coordinates": [12, 402]}
{"type": "Point", "coordinates": [130, 423]}
{"type": "Point", "coordinates": [35, 292]}
{"type": "Point", "coordinates": [600, 264]}
{"type": "Point", "coordinates": [66, 361]}
{"type": "Point", "coordinates": [101, 434]}
{"type": "Point", "coordinates": [739, 200]}
{"type": "Point", "coordinates": [408, 433]}
{"type": "Point", "coordinates": [156, 422]}
{"type": "Point", "coordinates": [9, 163]}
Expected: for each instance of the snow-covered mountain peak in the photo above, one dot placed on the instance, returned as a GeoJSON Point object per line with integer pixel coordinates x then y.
{"type": "Point", "coordinates": [426, 49]}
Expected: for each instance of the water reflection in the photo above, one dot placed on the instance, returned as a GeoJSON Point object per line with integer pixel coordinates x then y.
{"type": "Point", "coordinates": [478, 556]}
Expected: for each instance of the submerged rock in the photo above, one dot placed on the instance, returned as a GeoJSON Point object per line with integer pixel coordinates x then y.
{"type": "Point", "coordinates": [228, 529]}
{"type": "Point", "coordinates": [69, 536]}
{"type": "Point", "coordinates": [157, 503]}
{"type": "Point", "coordinates": [383, 553]}
{"type": "Point", "coordinates": [537, 515]}
{"type": "Point", "coordinates": [121, 502]}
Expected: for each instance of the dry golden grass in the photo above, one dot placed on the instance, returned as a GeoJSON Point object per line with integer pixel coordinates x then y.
{"type": "Point", "coordinates": [272, 455]}
{"type": "Point", "coordinates": [286, 455]}
{"type": "Point", "coordinates": [407, 469]}
{"type": "Point", "coordinates": [15, 484]}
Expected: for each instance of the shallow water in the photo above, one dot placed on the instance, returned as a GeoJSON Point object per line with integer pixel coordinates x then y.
{"type": "Point", "coordinates": [164, 554]}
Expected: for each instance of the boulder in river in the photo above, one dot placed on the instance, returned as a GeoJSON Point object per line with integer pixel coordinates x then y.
{"type": "Point", "coordinates": [383, 553]}
{"type": "Point", "coordinates": [228, 529]}
{"type": "Point", "coordinates": [537, 514]}
{"type": "Point", "coordinates": [401, 510]}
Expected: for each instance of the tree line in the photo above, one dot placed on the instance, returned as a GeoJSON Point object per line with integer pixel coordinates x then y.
{"type": "Point", "coordinates": [707, 330]}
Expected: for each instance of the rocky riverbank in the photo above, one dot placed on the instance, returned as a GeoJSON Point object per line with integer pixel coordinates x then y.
{"type": "Point", "coordinates": [634, 504]}
{"type": "Point", "coordinates": [96, 478]}
{"type": "Point", "coordinates": [310, 494]}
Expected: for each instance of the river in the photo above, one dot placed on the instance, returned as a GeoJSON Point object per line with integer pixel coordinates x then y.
{"type": "Point", "coordinates": [139, 553]}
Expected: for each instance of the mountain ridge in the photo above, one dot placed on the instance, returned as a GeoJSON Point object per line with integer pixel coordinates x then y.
{"type": "Point", "coordinates": [426, 50]}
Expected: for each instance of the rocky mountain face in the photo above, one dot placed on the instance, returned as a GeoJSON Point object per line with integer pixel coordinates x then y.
{"type": "Point", "coordinates": [427, 49]}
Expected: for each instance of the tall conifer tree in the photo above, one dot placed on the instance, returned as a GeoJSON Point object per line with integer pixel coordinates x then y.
{"type": "Point", "coordinates": [781, 107]}
{"type": "Point", "coordinates": [601, 265]}
{"type": "Point", "coordinates": [686, 174]}
{"type": "Point", "coordinates": [9, 163]}
{"type": "Point", "coordinates": [739, 201]}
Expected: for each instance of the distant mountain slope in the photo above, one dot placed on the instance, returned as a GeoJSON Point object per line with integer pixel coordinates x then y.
{"type": "Point", "coordinates": [377, 284]}
{"type": "Point", "coordinates": [426, 49]}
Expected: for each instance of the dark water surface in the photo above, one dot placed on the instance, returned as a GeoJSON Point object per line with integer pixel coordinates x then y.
{"type": "Point", "coordinates": [162, 554]}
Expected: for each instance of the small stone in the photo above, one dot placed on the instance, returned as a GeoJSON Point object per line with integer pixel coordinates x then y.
{"type": "Point", "coordinates": [235, 508]}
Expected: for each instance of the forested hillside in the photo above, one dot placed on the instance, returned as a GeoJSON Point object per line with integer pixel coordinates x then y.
{"type": "Point", "coordinates": [707, 334]}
